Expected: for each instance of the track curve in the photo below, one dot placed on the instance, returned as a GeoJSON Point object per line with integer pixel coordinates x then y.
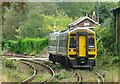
{"type": "Point", "coordinates": [49, 68]}
{"type": "Point", "coordinates": [79, 78]}
{"type": "Point", "coordinates": [34, 72]}
{"type": "Point", "coordinates": [100, 77]}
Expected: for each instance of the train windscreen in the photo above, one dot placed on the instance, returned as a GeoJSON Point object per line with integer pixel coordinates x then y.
{"type": "Point", "coordinates": [91, 42]}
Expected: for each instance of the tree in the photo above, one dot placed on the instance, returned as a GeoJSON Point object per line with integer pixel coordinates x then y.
{"type": "Point", "coordinates": [0, 23]}
{"type": "Point", "coordinates": [104, 11]}
{"type": "Point", "coordinates": [119, 3]}
{"type": "Point", "coordinates": [61, 23]}
{"type": "Point", "coordinates": [40, 20]}
{"type": "Point", "coordinates": [14, 13]}
{"type": "Point", "coordinates": [32, 27]}
{"type": "Point", "coordinates": [44, 8]}
{"type": "Point", "coordinates": [77, 9]}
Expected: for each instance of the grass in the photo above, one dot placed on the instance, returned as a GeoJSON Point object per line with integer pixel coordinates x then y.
{"type": "Point", "coordinates": [111, 75]}
{"type": "Point", "coordinates": [41, 77]}
{"type": "Point", "coordinates": [108, 65]}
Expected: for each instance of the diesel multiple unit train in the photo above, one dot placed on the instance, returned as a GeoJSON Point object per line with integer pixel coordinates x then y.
{"type": "Point", "coordinates": [73, 48]}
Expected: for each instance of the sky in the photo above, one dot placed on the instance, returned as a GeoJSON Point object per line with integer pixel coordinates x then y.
{"type": "Point", "coordinates": [60, 0]}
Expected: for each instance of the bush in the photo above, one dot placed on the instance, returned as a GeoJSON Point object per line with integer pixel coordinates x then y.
{"type": "Point", "coordinates": [29, 46]}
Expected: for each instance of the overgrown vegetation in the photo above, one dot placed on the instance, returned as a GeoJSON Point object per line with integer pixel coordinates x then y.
{"type": "Point", "coordinates": [15, 70]}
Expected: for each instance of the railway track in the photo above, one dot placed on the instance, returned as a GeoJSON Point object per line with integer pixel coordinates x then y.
{"type": "Point", "coordinates": [33, 75]}
{"type": "Point", "coordinates": [29, 62]}
{"type": "Point", "coordinates": [100, 79]}
{"type": "Point", "coordinates": [35, 71]}
{"type": "Point", "coordinates": [79, 78]}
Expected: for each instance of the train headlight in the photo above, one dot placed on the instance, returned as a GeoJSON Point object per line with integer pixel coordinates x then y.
{"type": "Point", "coordinates": [71, 50]}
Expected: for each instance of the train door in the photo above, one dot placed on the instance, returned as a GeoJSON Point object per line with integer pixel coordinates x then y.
{"type": "Point", "coordinates": [82, 47]}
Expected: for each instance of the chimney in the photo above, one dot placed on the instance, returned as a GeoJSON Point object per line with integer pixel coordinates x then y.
{"type": "Point", "coordinates": [94, 16]}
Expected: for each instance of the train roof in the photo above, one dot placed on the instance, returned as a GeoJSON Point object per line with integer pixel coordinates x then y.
{"type": "Point", "coordinates": [60, 32]}
{"type": "Point", "coordinates": [72, 30]}
{"type": "Point", "coordinates": [82, 29]}
{"type": "Point", "coordinates": [55, 33]}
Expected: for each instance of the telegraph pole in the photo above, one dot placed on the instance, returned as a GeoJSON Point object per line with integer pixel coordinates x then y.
{"type": "Point", "coordinates": [97, 10]}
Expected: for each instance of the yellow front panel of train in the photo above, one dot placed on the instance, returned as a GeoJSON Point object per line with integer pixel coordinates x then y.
{"type": "Point", "coordinates": [82, 46]}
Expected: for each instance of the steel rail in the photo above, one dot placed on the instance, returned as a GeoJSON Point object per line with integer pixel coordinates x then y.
{"type": "Point", "coordinates": [99, 77]}
{"type": "Point", "coordinates": [79, 78]}
{"type": "Point", "coordinates": [34, 72]}
{"type": "Point", "coordinates": [51, 70]}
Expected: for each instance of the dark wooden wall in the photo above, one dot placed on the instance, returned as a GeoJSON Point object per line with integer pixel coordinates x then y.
{"type": "Point", "coordinates": [81, 24]}
{"type": "Point", "coordinates": [116, 13]}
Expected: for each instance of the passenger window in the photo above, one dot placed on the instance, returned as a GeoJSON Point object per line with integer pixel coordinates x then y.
{"type": "Point", "coordinates": [72, 42]}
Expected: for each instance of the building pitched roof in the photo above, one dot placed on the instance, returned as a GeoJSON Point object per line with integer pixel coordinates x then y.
{"type": "Point", "coordinates": [116, 9]}
{"type": "Point", "coordinates": [81, 19]}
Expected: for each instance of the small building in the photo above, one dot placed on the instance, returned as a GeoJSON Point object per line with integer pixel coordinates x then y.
{"type": "Point", "coordinates": [84, 22]}
{"type": "Point", "coordinates": [116, 12]}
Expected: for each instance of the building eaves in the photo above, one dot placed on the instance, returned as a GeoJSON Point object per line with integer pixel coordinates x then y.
{"type": "Point", "coordinates": [116, 9]}
{"type": "Point", "coordinates": [81, 19]}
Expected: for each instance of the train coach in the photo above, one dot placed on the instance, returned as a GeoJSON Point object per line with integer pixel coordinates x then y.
{"type": "Point", "coordinates": [73, 48]}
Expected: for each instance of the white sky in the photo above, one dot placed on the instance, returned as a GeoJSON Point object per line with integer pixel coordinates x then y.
{"type": "Point", "coordinates": [60, 0]}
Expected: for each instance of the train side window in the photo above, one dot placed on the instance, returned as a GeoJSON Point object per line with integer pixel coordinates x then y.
{"type": "Point", "coordinates": [72, 43]}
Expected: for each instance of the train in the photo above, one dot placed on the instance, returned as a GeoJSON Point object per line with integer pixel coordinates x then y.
{"type": "Point", "coordinates": [74, 48]}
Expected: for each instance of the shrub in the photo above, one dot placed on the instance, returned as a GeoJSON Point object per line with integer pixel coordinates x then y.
{"type": "Point", "coordinates": [26, 46]}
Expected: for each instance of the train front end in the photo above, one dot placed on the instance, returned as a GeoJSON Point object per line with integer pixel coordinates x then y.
{"type": "Point", "coordinates": [82, 47]}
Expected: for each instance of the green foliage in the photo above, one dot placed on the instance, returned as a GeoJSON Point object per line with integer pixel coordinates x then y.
{"type": "Point", "coordinates": [107, 62]}
{"type": "Point", "coordinates": [104, 11]}
{"type": "Point", "coordinates": [32, 27]}
{"type": "Point", "coordinates": [40, 26]}
{"type": "Point", "coordinates": [76, 10]}
{"type": "Point", "coordinates": [106, 37]}
{"type": "Point", "coordinates": [33, 20]}
{"type": "Point", "coordinates": [61, 75]}
{"type": "Point", "coordinates": [44, 8]}
{"type": "Point", "coordinates": [40, 21]}
{"type": "Point", "coordinates": [26, 46]}
{"type": "Point", "coordinates": [119, 3]}
{"type": "Point", "coordinates": [116, 61]}
{"type": "Point", "coordinates": [100, 37]}
{"type": "Point", "coordinates": [13, 15]}
{"type": "Point", "coordinates": [61, 23]}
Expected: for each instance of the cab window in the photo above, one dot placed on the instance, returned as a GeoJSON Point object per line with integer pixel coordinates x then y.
{"type": "Point", "coordinates": [91, 42]}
